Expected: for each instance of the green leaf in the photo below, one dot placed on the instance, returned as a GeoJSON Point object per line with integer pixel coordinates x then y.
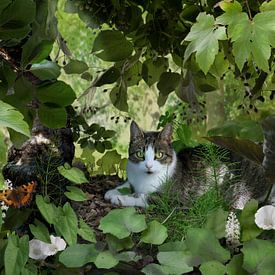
{"type": "Point", "coordinates": [78, 255]}
{"type": "Point", "coordinates": [109, 162]}
{"type": "Point", "coordinates": [216, 222]}
{"type": "Point", "coordinates": [75, 194]}
{"type": "Point", "coordinates": [204, 36]}
{"type": "Point", "coordinates": [99, 146]}
{"type": "Point", "coordinates": [118, 96]}
{"type": "Point", "coordinates": [122, 222]}
{"type": "Point", "coordinates": [75, 67]}
{"type": "Point", "coordinates": [4, 4]}
{"type": "Point", "coordinates": [250, 37]}
{"type": "Point", "coordinates": [105, 259]}
{"type": "Point", "coordinates": [132, 76]}
{"type": "Point", "coordinates": [40, 231]}
{"type": "Point", "coordinates": [247, 220]}
{"type": "Point", "coordinates": [16, 254]}
{"type": "Point", "coordinates": [108, 45]}
{"type": "Point", "coordinates": [242, 147]}
{"type": "Point", "coordinates": [153, 68]}
{"type": "Point", "coordinates": [108, 77]}
{"type": "Point", "coordinates": [66, 224]}
{"type": "Point", "coordinates": [203, 243]}
{"type": "Point", "coordinates": [47, 70]}
{"type": "Point", "coordinates": [15, 19]}
{"type": "Point", "coordinates": [46, 113]}
{"type": "Point", "coordinates": [155, 233]}
{"type": "Point", "coordinates": [213, 268]}
{"type": "Point", "coordinates": [86, 232]}
{"type": "Point", "coordinates": [47, 209]}
{"type": "Point", "coordinates": [128, 256]}
{"type": "Point", "coordinates": [259, 257]}
{"type": "Point", "coordinates": [168, 82]}
{"type": "Point", "coordinates": [58, 93]}
{"type": "Point", "coordinates": [11, 118]}
{"type": "Point", "coordinates": [116, 244]}
{"type": "Point", "coordinates": [36, 49]}
{"type": "Point", "coordinates": [154, 269]}
{"type": "Point", "coordinates": [73, 174]}
{"type": "Point", "coordinates": [175, 262]}
{"type": "Point", "coordinates": [234, 267]}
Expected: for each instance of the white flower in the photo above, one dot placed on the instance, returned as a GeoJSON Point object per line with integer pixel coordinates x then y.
{"type": "Point", "coordinates": [58, 242]}
{"type": "Point", "coordinates": [232, 231]}
{"type": "Point", "coordinates": [265, 217]}
{"type": "Point", "coordinates": [39, 250]}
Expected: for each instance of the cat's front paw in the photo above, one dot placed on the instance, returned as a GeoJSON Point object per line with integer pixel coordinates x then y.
{"type": "Point", "coordinates": [119, 200]}
{"type": "Point", "coordinates": [111, 193]}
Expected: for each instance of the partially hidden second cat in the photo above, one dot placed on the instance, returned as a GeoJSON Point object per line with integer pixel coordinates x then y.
{"type": "Point", "coordinates": [152, 161]}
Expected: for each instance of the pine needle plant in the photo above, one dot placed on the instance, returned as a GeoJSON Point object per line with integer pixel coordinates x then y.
{"type": "Point", "coordinates": [168, 208]}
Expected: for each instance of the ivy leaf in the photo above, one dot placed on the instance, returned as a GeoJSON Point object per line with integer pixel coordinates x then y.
{"type": "Point", "coordinates": [118, 96]}
{"type": "Point", "coordinates": [11, 118]}
{"type": "Point", "coordinates": [75, 67]}
{"type": "Point", "coordinates": [259, 257]}
{"type": "Point", "coordinates": [78, 255]}
{"type": "Point", "coordinates": [204, 36]}
{"type": "Point", "coordinates": [122, 222]}
{"type": "Point", "coordinates": [108, 46]}
{"type": "Point", "coordinates": [86, 232]}
{"type": "Point", "coordinates": [73, 174]}
{"type": "Point", "coordinates": [155, 233]}
{"type": "Point", "coordinates": [16, 254]}
{"type": "Point", "coordinates": [247, 220]}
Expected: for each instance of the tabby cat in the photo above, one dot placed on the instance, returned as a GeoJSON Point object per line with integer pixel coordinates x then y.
{"type": "Point", "coordinates": [152, 160]}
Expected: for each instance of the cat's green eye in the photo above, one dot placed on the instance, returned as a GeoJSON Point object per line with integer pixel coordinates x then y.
{"type": "Point", "coordinates": [159, 155]}
{"type": "Point", "coordinates": [140, 154]}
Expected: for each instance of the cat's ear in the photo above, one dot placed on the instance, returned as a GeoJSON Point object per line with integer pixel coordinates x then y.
{"type": "Point", "coordinates": [166, 133]}
{"type": "Point", "coordinates": [135, 131]}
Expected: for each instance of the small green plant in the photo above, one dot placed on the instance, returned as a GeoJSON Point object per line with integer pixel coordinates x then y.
{"type": "Point", "coordinates": [169, 208]}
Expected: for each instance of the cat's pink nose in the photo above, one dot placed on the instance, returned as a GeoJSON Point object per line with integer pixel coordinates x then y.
{"type": "Point", "coordinates": [149, 164]}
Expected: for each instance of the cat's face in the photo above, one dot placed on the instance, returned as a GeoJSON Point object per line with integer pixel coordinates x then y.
{"type": "Point", "coordinates": [150, 152]}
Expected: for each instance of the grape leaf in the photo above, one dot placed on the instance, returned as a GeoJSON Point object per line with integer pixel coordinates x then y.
{"type": "Point", "coordinates": [204, 37]}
